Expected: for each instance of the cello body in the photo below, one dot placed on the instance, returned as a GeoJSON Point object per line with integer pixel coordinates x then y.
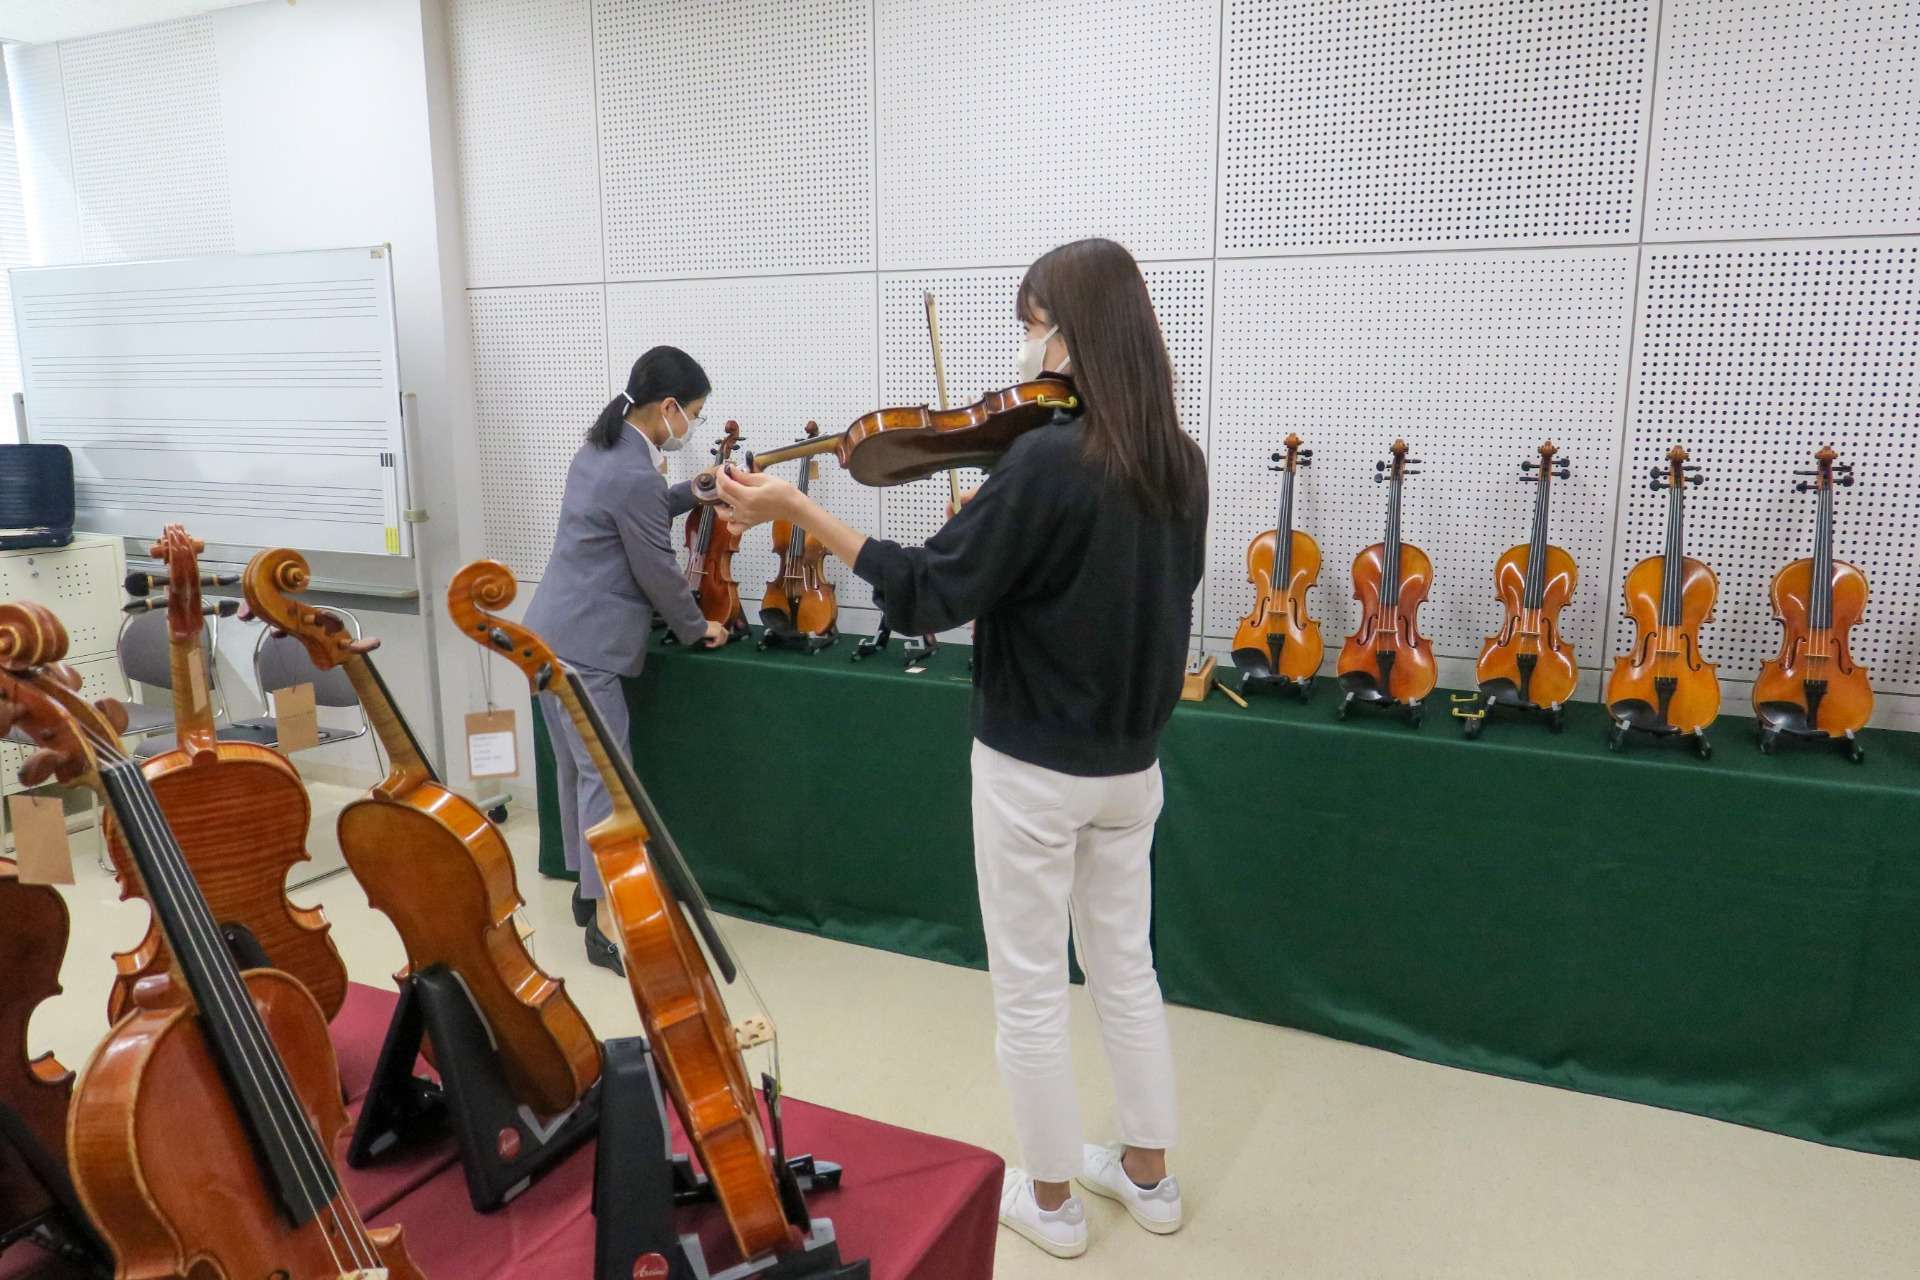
{"type": "Point", "coordinates": [1553, 674]}
{"type": "Point", "coordinates": [34, 925]}
{"type": "Point", "coordinates": [1391, 629]}
{"type": "Point", "coordinates": [159, 1156]}
{"type": "Point", "coordinates": [200, 785]}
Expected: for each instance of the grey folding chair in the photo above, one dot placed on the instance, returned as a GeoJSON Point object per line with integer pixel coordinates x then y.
{"type": "Point", "coordinates": [281, 662]}
{"type": "Point", "coordinates": [145, 658]}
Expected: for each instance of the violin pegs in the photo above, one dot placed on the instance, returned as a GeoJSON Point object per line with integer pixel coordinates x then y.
{"type": "Point", "coordinates": [1801, 486]}
{"type": "Point", "coordinates": [1847, 480]}
{"type": "Point", "coordinates": [1656, 484]}
{"type": "Point", "coordinates": [1410, 473]}
{"type": "Point", "coordinates": [1379, 466]}
{"type": "Point", "coordinates": [1806, 473]}
{"type": "Point", "coordinates": [1378, 476]}
{"type": "Point", "coordinates": [1529, 479]}
{"type": "Point", "coordinates": [1308, 453]}
{"type": "Point", "coordinates": [1529, 466]}
{"type": "Point", "coordinates": [1413, 462]}
{"type": "Point", "coordinates": [140, 584]}
{"type": "Point", "coordinates": [1658, 473]}
{"type": "Point", "coordinates": [1275, 457]}
{"type": "Point", "coordinates": [147, 605]}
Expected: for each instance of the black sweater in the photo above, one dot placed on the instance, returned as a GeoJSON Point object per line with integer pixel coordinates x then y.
{"type": "Point", "coordinates": [1084, 605]}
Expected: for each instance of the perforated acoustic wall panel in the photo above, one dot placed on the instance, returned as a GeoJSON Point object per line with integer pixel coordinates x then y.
{"type": "Point", "coordinates": [149, 147]}
{"type": "Point", "coordinates": [1361, 124]}
{"type": "Point", "coordinates": [1752, 357]}
{"type": "Point", "coordinates": [769, 346]}
{"type": "Point", "coordinates": [1005, 128]}
{"type": "Point", "coordinates": [1474, 359]}
{"type": "Point", "coordinates": [1786, 117]}
{"type": "Point", "coordinates": [736, 136]}
{"type": "Point", "coordinates": [539, 379]}
{"type": "Point", "coordinates": [529, 164]}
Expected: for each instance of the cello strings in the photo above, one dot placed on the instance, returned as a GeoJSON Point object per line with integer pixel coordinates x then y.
{"type": "Point", "coordinates": [275, 1089]}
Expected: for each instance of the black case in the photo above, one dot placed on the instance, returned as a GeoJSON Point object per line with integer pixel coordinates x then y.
{"type": "Point", "coordinates": [36, 496]}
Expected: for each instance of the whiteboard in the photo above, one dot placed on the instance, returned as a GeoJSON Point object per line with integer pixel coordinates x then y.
{"type": "Point", "coordinates": [254, 398]}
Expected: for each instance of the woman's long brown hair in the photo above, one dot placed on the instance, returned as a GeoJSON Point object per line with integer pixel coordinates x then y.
{"type": "Point", "coordinates": [1118, 360]}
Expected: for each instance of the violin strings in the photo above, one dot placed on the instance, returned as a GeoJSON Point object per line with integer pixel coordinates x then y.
{"type": "Point", "coordinates": [227, 992]}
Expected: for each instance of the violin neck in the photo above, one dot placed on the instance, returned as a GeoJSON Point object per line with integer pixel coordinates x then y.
{"type": "Point", "coordinates": [797, 538]}
{"type": "Point", "coordinates": [1390, 561]}
{"type": "Point", "coordinates": [192, 698]}
{"type": "Point", "coordinates": [1283, 536]}
{"type": "Point", "coordinates": [1821, 607]}
{"type": "Point", "coordinates": [409, 764]}
{"type": "Point", "coordinates": [1676, 552]}
{"type": "Point", "coordinates": [788, 452]}
{"type": "Point", "coordinates": [297, 1168]}
{"type": "Point", "coordinates": [1537, 545]}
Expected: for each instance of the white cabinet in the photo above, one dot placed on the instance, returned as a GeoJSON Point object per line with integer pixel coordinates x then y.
{"type": "Point", "coordinates": [82, 584]}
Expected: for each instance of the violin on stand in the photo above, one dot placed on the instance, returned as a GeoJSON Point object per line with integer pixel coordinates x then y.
{"type": "Point", "coordinates": [432, 863]}
{"type": "Point", "coordinates": [1814, 691]}
{"type": "Point", "coordinates": [710, 548]}
{"type": "Point", "coordinates": [1278, 646]}
{"type": "Point", "coordinates": [201, 1131]}
{"type": "Point", "coordinates": [665, 931]}
{"type": "Point", "coordinates": [37, 1200]}
{"type": "Point", "coordinates": [1663, 687]}
{"type": "Point", "coordinates": [799, 610]}
{"type": "Point", "coordinates": [1386, 662]}
{"type": "Point", "coordinates": [1527, 665]}
{"type": "Point", "coordinates": [201, 784]}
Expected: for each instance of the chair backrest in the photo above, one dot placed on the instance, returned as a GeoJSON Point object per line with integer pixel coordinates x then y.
{"type": "Point", "coordinates": [281, 662]}
{"type": "Point", "coordinates": [146, 656]}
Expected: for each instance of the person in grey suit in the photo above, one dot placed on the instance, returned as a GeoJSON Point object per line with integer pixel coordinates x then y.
{"type": "Point", "coordinates": [613, 568]}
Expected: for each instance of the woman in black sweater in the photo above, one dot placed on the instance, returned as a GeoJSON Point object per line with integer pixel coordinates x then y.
{"type": "Point", "coordinates": [1078, 558]}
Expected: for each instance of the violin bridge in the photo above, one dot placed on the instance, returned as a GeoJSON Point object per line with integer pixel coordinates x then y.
{"type": "Point", "coordinates": [752, 1031]}
{"type": "Point", "coordinates": [366, 1273]}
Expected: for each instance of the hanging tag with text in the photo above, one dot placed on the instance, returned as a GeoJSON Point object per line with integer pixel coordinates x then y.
{"type": "Point", "coordinates": [40, 839]}
{"type": "Point", "coordinates": [493, 746]}
{"type": "Point", "coordinates": [296, 718]}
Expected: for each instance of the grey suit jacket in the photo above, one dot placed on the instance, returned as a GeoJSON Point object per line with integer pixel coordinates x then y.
{"type": "Point", "coordinates": [613, 564]}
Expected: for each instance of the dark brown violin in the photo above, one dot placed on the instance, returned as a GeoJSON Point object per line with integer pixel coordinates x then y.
{"type": "Point", "coordinates": [201, 1131]}
{"type": "Point", "coordinates": [1663, 687]}
{"type": "Point", "coordinates": [894, 446]}
{"type": "Point", "coordinates": [1387, 662]}
{"type": "Point", "coordinates": [799, 600]}
{"type": "Point", "coordinates": [432, 863]}
{"type": "Point", "coordinates": [1815, 690]}
{"type": "Point", "coordinates": [1527, 663]}
{"type": "Point", "coordinates": [710, 548]}
{"type": "Point", "coordinates": [1277, 641]}
{"type": "Point", "coordinates": [202, 784]}
{"type": "Point", "coordinates": [33, 941]}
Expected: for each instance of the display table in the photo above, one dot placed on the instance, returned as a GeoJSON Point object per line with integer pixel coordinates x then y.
{"type": "Point", "coordinates": [1737, 937]}
{"type": "Point", "coordinates": [917, 1207]}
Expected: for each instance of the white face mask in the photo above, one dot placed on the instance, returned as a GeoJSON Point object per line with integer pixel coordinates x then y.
{"type": "Point", "coordinates": [1033, 356]}
{"type": "Point", "coordinates": [674, 443]}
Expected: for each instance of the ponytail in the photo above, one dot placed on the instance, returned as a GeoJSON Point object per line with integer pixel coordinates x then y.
{"type": "Point", "coordinates": [661, 373]}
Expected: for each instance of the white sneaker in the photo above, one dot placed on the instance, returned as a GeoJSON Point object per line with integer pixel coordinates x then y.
{"type": "Point", "coordinates": [1156, 1208]}
{"type": "Point", "coordinates": [1061, 1232]}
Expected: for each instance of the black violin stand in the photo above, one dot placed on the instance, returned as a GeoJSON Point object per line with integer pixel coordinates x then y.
{"type": "Point", "coordinates": [503, 1145]}
{"type": "Point", "coordinates": [918, 649]}
{"type": "Point", "coordinates": [1257, 672]}
{"type": "Point", "coordinates": [62, 1229]}
{"type": "Point", "coordinates": [1474, 709]}
{"type": "Point", "coordinates": [638, 1181]}
{"type": "Point", "coordinates": [776, 632]}
{"type": "Point", "coordinates": [1631, 716]}
{"type": "Point", "coordinates": [1778, 720]}
{"type": "Point", "coordinates": [1361, 691]}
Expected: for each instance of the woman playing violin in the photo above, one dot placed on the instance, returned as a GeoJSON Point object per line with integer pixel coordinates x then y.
{"type": "Point", "coordinates": [1078, 557]}
{"type": "Point", "coordinates": [612, 569]}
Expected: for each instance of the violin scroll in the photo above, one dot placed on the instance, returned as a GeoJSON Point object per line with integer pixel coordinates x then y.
{"type": "Point", "coordinates": [270, 579]}
{"type": "Point", "coordinates": [474, 598]}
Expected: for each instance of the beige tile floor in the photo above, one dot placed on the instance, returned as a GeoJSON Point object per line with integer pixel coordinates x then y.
{"type": "Point", "coordinates": [1303, 1157]}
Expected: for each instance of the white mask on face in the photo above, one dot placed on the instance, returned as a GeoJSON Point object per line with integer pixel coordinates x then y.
{"type": "Point", "coordinates": [1033, 356]}
{"type": "Point", "coordinates": [674, 443]}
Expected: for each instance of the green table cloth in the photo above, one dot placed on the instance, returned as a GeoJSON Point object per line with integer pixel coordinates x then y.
{"type": "Point", "coordinates": [1737, 937]}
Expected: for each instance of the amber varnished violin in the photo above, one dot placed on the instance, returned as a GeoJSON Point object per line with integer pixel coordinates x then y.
{"type": "Point", "coordinates": [894, 446]}
{"type": "Point", "coordinates": [710, 547]}
{"type": "Point", "coordinates": [1278, 642]}
{"type": "Point", "coordinates": [1814, 689]}
{"type": "Point", "coordinates": [1528, 664]}
{"type": "Point", "coordinates": [33, 941]}
{"type": "Point", "coordinates": [202, 784]}
{"type": "Point", "coordinates": [799, 600]}
{"type": "Point", "coordinates": [1663, 687]}
{"type": "Point", "coordinates": [661, 919]}
{"type": "Point", "coordinates": [201, 1131]}
{"type": "Point", "coordinates": [1387, 662]}
{"type": "Point", "coordinates": [433, 864]}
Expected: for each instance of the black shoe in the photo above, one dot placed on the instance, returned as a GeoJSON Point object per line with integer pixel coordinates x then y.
{"type": "Point", "coordinates": [601, 951]}
{"type": "Point", "coordinates": [582, 908]}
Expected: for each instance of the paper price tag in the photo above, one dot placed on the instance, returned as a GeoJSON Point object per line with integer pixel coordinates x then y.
{"type": "Point", "coordinates": [296, 718]}
{"type": "Point", "coordinates": [40, 839]}
{"type": "Point", "coordinates": [493, 747]}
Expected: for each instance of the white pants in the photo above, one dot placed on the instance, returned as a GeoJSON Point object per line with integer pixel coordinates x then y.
{"type": "Point", "coordinates": [1054, 851]}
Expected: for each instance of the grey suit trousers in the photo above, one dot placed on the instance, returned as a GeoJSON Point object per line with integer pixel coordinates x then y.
{"type": "Point", "coordinates": [583, 797]}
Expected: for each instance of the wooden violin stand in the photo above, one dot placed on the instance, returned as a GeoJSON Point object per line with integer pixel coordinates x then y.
{"type": "Point", "coordinates": [59, 1227]}
{"type": "Point", "coordinates": [638, 1182]}
{"type": "Point", "coordinates": [503, 1145]}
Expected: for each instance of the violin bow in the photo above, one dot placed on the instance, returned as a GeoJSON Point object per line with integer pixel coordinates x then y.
{"type": "Point", "coordinates": [940, 383]}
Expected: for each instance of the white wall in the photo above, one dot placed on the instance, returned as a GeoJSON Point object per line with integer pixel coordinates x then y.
{"type": "Point", "coordinates": [272, 127]}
